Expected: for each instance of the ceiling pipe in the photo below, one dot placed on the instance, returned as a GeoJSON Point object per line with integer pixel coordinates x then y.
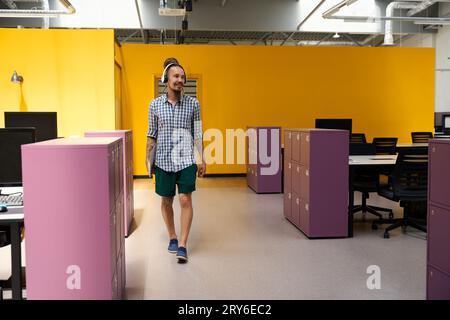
{"type": "Point", "coordinates": [140, 20]}
{"type": "Point", "coordinates": [420, 7]}
{"type": "Point", "coordinates": [46, 20]}
{"type": "Point", "coordinates": [330, 14]}
{"type": "Point", "coordinates": [388, 30]}
{"type": "Point", "coordinates": [15, 13]}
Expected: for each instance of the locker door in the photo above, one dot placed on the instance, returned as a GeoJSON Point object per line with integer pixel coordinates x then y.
{"type": "Point", "coordinates": [295, 143]}
{"type": "Point", "coordinates": [287, 203]}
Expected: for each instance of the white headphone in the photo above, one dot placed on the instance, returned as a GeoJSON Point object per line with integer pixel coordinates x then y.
{"type": "Point", "coordinates": [165, 78]}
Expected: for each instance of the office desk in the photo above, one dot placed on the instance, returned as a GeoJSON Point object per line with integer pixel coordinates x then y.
{"type": "Point", "coordinates": [14, 219]}
{"type": "Point", "coordinates": [410, 145]}
{"type": "Point", "coordinates": [369, 161]}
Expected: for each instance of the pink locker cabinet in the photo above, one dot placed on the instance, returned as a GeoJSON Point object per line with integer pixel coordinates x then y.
{"type": "Point", "coordinates": [438, 225]}
{"type": "Point", "coordinates": [73, 210]}
{"type": "Point", "coordinates": [264, 175]}
{"type": "Point", "coordinates": [287, 172]}
{"type": "Point", "coordinates": [128, 200]}
{"type": "Point", "coordinates": [316, 181]}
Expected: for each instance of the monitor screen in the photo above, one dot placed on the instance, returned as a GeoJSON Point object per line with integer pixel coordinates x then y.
{"type": "Point", "coordinates": [447, 122]}
{"type": "Point", "coordinates": [343, 124]}
{"type": "Point", "coordinates": [10, 154]}
{"type": "Point", "coordinates": [44, 122]}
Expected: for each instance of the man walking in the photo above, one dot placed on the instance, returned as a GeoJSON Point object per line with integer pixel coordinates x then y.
{"type": "Point", "coordinates": [174, 128]}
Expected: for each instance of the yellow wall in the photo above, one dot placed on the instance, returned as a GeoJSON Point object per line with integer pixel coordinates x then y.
{"type": "Point", "coordinates": [67, 71]}
{"type": "Point", "coordinates": [387, 91]}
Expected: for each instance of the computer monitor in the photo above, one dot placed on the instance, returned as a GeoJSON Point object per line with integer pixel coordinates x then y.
{"type": "Point", "coordinates": [11, 155]}
{"type": "Point", "coordinates": [446, 124]}
{"type": "Point", "coordinates": [343, 124]}
{"type": "Point", "coordinates": [44, 122]}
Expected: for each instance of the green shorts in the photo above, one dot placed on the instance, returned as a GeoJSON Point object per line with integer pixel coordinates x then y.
{"type": "Point", "coordinates": [166, 181]}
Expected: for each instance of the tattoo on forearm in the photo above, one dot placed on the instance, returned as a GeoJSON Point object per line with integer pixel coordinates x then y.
{"type": "Point", "coordinates": [150, 145]}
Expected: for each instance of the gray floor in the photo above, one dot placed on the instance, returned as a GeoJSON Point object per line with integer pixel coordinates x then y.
{"type": "Point", "coordinates": [241, 247]}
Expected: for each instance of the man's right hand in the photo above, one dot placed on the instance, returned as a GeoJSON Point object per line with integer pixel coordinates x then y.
{"type": "Point", "coordinates": [150, 155]}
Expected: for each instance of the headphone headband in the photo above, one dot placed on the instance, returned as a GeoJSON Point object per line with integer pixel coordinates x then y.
{"type": "Point", "coordinates": [165, 77]}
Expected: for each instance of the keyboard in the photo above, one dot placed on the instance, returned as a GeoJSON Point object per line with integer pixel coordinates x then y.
{"type": "Point", "coordinates": [16, 200]}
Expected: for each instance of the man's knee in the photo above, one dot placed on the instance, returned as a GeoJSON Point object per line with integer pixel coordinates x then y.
{"type": "Point", "coordinates": [167, 202]}
{"type": "Point", "coordinates": [185, 201]}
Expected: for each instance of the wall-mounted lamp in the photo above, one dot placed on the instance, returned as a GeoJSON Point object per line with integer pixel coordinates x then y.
{"type": "Point", "coordinates": [16, 78]}
{"type": "Point", "coordinates": [336, 36]}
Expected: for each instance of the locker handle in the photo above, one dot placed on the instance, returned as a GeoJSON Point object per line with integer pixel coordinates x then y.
{"type": "Point", "coordinates": [307, 172]}
{"type": "Point", "coordinates": [298, 202]}
{"type": "Point", "coordinates": [307, 207]}
{"type": "Point", "coordinates": [289, 165]}
{"type": "Point", "coordinates": [432, 212]}
{"type": "Point", "coordinates": [298, 136]}
{"type": "Point", "coordinates": [298, 169]}
{"type": "Point", "coordinates": [307, 138]}
{"type": "Point", "coordinates": [289, 135]}
{"type": "Point", "coordinates": [289, 195]}
{"type": "Point", "coordinates": [433, 149]}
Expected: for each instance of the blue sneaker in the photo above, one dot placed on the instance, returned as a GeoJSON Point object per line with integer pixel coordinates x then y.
{"type": "Point", "coordinates": [182, 254]}
{"type": "Point", "coordinates": [173, 246]}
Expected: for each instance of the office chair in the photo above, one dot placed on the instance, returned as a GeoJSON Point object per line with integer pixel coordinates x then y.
{"type": "Point", "coordinates": [421, 137]}
{"type": "Point", "coordinates": [365, 180]}
{"type": "Point", "coordinates": [357, 138]}
{"type": "Point", "coordinates": [408, 184]}
{"type": "Point", "coordinates": [385, 145]}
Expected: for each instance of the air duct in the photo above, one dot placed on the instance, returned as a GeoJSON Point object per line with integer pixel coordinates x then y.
{"type": "Point", "coordinates": [388, 37]}
{"type": "Point", "coordinates": [15, 13]}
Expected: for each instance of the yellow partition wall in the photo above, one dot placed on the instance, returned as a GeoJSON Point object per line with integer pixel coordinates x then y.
{"type": "Point", "coordinates": [67, 71]}
{"type": "Point", "coordinates": [386, 91]}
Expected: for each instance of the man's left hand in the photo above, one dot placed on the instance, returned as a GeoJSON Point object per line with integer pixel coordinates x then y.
{"type": "Point", "coordinates": [201, 169]}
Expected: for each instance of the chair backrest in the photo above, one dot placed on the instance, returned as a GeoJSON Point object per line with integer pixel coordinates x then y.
{"type": "Point", "coordinates": [421, 137]}
{"type": "Point", "coordinates": [410, 175]}
{"type": "Point", "coordinates": [357, 138]}
{"type": "Point", "coordinates": [385, 145]}
{"type": "Point", "coordinates": [360, 149]}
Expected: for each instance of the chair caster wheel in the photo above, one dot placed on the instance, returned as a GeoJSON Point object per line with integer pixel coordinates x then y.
{"type": "Point", "coordinates": [386, 235]}
{"type": "Point", "coordinates": [374, 226]}
{"type": "Point", "coordinates": [391, 215]}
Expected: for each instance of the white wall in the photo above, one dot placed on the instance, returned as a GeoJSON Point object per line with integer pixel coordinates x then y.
{"type": "Point", "coordinates": [440, 41]}
{"type": "Point", "coordinates": [443, 70]}
{"type": "Point", "coordinates": [422, 40]}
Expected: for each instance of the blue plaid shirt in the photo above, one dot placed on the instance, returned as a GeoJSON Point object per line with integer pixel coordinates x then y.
{"type": "Point", "coordinates": [174, 128]}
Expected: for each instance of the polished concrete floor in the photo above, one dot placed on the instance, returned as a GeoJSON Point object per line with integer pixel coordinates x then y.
{"type": "Point", "coordinates": [241, 247]}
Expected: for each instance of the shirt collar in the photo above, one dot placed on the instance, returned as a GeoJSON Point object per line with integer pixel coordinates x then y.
{"type": "Point", "coordinates": [166, 97]}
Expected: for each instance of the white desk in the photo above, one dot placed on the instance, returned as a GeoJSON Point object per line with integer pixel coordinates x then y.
{"type": "Point", "coordinates": [409, 145]}
{"type": "Point", "coordinates": [14, 219]}
{"type": "Point", "coordinates": [367, 161]}
{"type": "Point", "coordinates": [372, 160]}
{"type": "Point", "coordinates": [13, 213]}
